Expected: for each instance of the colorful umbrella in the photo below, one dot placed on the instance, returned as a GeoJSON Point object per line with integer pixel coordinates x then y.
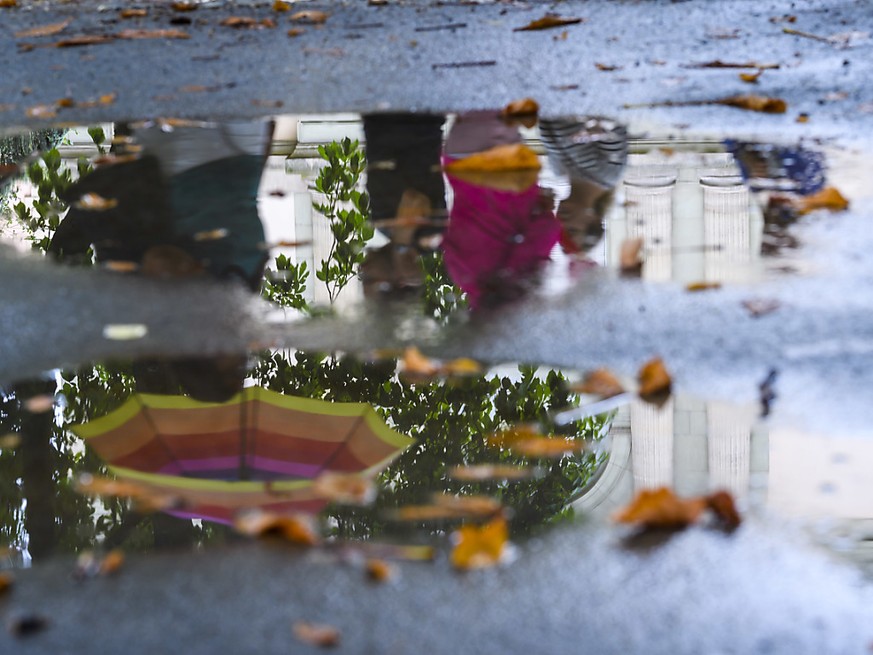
{"type": "Point", "coordinates": [260, 449]}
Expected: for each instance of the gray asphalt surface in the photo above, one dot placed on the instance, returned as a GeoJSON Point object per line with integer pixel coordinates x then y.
{"type": "Point", "coordinates": [758, 591]}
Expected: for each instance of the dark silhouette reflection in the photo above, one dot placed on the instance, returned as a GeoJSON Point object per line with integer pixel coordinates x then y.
{"type": "Point", "coordinates": [186, 205]}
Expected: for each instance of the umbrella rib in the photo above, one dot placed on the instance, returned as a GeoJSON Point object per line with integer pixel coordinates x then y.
{"type": "Point", "coordinates": [342, 443]}
{"type": "Point", "coordinates": [158, 436]}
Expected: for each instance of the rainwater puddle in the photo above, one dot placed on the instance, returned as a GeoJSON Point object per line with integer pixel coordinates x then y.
{"type": "Point", "coordinates": [391, 453]}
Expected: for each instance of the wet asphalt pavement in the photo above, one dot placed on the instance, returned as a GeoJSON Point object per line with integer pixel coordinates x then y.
{"type": "Point", "coordinates": [760, 590]}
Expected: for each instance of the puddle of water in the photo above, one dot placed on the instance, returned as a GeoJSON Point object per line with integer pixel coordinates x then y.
{"type": "Point", "coordinates": [453, 214]}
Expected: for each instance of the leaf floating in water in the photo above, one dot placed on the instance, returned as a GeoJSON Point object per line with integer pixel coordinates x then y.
{"type": "Point", "coordinates": [655, 381]}
{"type": "Point", "coordinates": [39, 404]}
{"type": "Point", "coordinates": [145, 499]}
{"type": "Point", "coordinates": [6, 4]}
{"type": "Point", "coordinates": [281, 5]}
{"type": "Point", "coordinates": [448, 507]}
{"type": "Point", "coordinates": [211, 235]}
{"type": "Point", "coordinates": [418, 364]}
{"type": "Point", "coordinates": [184, 6]}
{"type": "Point", "coordinates": [828, 198]}
{"type": "Point", "coordinates": [485, 472]}
{"type": "Point", "coordinates": [133, 13]}
{"type": "Point", "coordinates": [25, 625]}
{"type": "Point", "coordinates": [661, 508]}
{"type": "Point", "coordinates": [751, 78]}
{"type": "Point", "coordinates": [478, 547]}
{"type": "Point", "coordinates": [756, 103]}
{"type": "Point", "coordinates": [125, 331]}
{"type": "Point", "coordinates": [702, 286]}
{"type": "Point", "coordinates": [296, 31]}
{"type": "Point", "coordinates": [118, 266]}
{"type": "Point", "coordinates": [317, 634]}
{"type": "Point", "coordinates": [547, 22]}
{"type": "Point", "coordinates": [297, 529]}
{"type": "Point", "coordinates": [10, 441]}
{"type": "Point", "coordinates": [722, 505]}
{"type": "Point", "coordinates": [83, 40]}
{"type": "Point", "coordinates": [88, 565]}
{"type": "Point", "coordinates": [112, 563]}
{"type": "Point", "coordinates": [630, 257]}
{"type": "Point", "coordinates": [7, 580]}
{"type": "Point", "coordinates": [718, 63]}
{"type": "Point", "coordinates": [310, 17]}
{"type": "Point", "coordinates": [46, 30]}
{"type": "Point", "coordinates": [461, 367]}
{"type": "Point", "coordinates": [41, 111]}
{"type": "Point", "coordinates": [600, 382]}
{"type": "Point", "coordinates": [607, 67]}
{"type": "Point", "coordinates": [379, 570]}
{"type": "Point", "coordinates": [153, 34]}
{"type": "Point", "coordinates": [507, 157]}
{"type": "Point", "coordinates": [524, 110]}
{"type": "Point", "coordinates": [761, 306]}
{"type": "Point", "coordinates": [524, 440]}
{"type": "Point", "coordinates": [96, 203]}
{"type": "Point", "coordinates": [345, 488]}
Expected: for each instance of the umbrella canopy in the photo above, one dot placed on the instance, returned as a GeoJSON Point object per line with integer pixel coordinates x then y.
{"type": "Point", "coordinates": [260, 449]}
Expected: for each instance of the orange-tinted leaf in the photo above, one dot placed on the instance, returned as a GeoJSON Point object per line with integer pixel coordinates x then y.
{"type": "Point", "coordinates": [297, 529]}
{"type": "Point", "coordinates": [548, 21]}
{"type": "Point", "coordinates": [828, 198]}
{"type": "Point", "coordinates": [607, 67]}
{"type": "Point", "coordinates": [5, 4]}
{"type": "Point", "coordinates": [46, 30]}
{"type": "Point", "coordinates": [751, 78]}
{"type": "Point", "coordinates": [661, 508]}
{"type": "Point", "coordinates": [133, 13]}
{"type": "Point", "coordinates": [379, 570]}
{"type": "Point", "coordinates": [702, 286]}
{"type": "Point", "coordinates": [295, 31]}
{"type": "Point", "coordinates": [184, 6]}
{"type": "Point", "coordinates": [718, 63]}
{"type": "Point", "coordinates": [630, 256]}
{"type": "Point", "coordinates": [654, 379]}
{"type": "Point", "coordinates": [65, 103]}
{"type": "Point", "coordinates": [802, 117]}
{"type": "Point", "coordinates": [756, 103]}
{"type": "Point", "coordinates": [416, 363]}
{"type": "Point", "coordinates": [239, 21]}
{"type": "Point", "coordinates": [525, 109]}
{"type": "Point", "coordinates": [96, 203]}
{"type": "Point", "coordinates": [721, 503]}
{"type": "Point", "coordinates": [447, 507]}
{"type": "Point", "coordinates": [281, 5]}
{"type": "Point", "coordinates": [317, 634]}
{"type": "Point", "coordinates": [39, 404]}
{"type": "Point", "coordinates": [479, 547]}
{"type": "Point", "coordinates": [153, 34]}
{"type": "Point", "coordinates": [600, 382]}
{"type": "Point", "coordinates": [107, 98]}
{"type": "Point", "coordinates": [268, 23]}
{"type": "Point", "coordinates": [83, 40]}
{"type": "Point", "coordinates": [41, 111]}
{"type": "Point", "coordinates": [483, 472]}
{"type": "Point", "coordinates": [461, 367]}
{"type": "Point", "coordinates": [345, 488]}
{"type": "Point", "coordinates": [508, 157]}
{"type": "Point", "coordinates": [524, 440]}
{"type": "Point", "coordinates": [761, 306]}
{"type": "Point", "coordinates": [211, 235]}
{"type": "Point", "coordinates": [7, 580]}
{"type": "Point", "coordinates": [310, 17]}
{"type": "Point", "coordinates": [112, 563]}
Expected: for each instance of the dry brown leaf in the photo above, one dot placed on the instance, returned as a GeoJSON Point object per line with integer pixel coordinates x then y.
{"type": "Point", "coordinates": [484, 472]}
{"type": "Point", "coordinates": [7, 580]}
{"type": "Point", "coordinates": [607, 67]}
{"type": "Point", "coordinates": [345, 488]}
{"type": "Point", "coordinates": [310, 17]}
{"type": "Point", "coordinates": [761, 306]}
{"type": "Point", "coordinates": [718, 63]}
{"type": "Point", "coordinates": [721, 503]}
{"type": "Point", "coordinates": [828, 198]}
{"type": "Point", "coordinates": [802, 118]}
{"type": "Point", "coordinates": [524, 110]}
{"type": "Point", "coordinates": [239, 21]}
{"type": "Point", "coordinates": [479, 547]}
{"type": "Point", "coordinates": [184, 6]}
{"type": "Point", "coordinates": [524, 440]}
{"type": "Point", "coordinates": [107, 98]}
{"type": "Point", "coordinates": [39, 404]}
{"type": "Point", "coordinates": [600, 382]}
{"type": "Point", "coordinates": [95, 202]}
{"type": "Point", "coordinates": [446, 507]}
{"type": "Point", "coordinates": [296, 31]}
{"type": "Point", "coordinates": [297, 529]}
{"type": "Point", "coordinates": [120, 266]}
{"type": "Point", "coordinates": [751, 78]}
{"type": "Point", "coordinates": [112, 563]}
{"type": "Point", "coordinates": [630, 256]}
{"type": "Point", "coordinates": [379, 570]}
{"type": "Point", "coordinates": [702, 286]}
{"type": "Point", "coordinates": [281, 5]}
{"type": "Point", "coordinates": [83, 40]}
{"type": "Point", "coordinates": [547, 22]}
{"type": "Point", "coordinates": [461, 367]}
{"type": "Point", "coordinates": [46, 30]}
{"type": "Point", "coordinates": [654, 379]}
{"type": "Point", "coordinates": [661, 508]}
{"type": "Point", "coordinates": [65, 103]}
{"type": "Point", "coordinates": [8, 3]}
{"type": "Point", "coordinates": [317, 634]}
{"type": "Point", "coordinates": [153, 34]}
{"type": "Point", "coordinates": [756, 103]}
{"type": "Point", "coordinates": [416, 363]}
{"type": "Point", "coordinates": [41, 111]}
{"type": "Point", "coordinates": [377, 3]}
{"type": "Point", "coordinates": [508, 157]}
{"type": "Point", "coordinates": [133, 13]}
{"type": "Point", "coordinates": [268, 23]}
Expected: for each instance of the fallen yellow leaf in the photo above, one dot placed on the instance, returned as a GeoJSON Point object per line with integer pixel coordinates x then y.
{"type": "Point", "coordinates": [317, 634]}
{"type": "Point", "coordinates": [600, 382]}
{"type": "Point", "coordinates": [756, 103]}
{"type": "Point", "coordinates": [310, 17]}
{"type": "Point", "coordinates": [297, 529]}
{"type": "Point", "coordinates": [630, 259]}
{"type": "Point", "coordinates": [508, 157]}
{"type": "Point", "coordinates": [702, 286]}
{"type": "Point", "coordinates": [483, 472]}
{"type": "Point", "coordinates": [46, 30]}
{"type": "Point", "coordinates": [661, 508]}
{"type": "Point", "coordinates": [479, 547]}
{"type": "Point", "coordinates": [281, 5]}
{"type": "Point", "coordinates": [379, 570]}
{"type": "Point", "coordinates": [133, 13]}
{"type": "Point", "coordinates": [828, 198]}
{"type": "Point", "coordinates": [654, 379]}
{"type": "Point", "coordinates": [548, 21]}
{"type": "Point", "coordinates": [345, 488]}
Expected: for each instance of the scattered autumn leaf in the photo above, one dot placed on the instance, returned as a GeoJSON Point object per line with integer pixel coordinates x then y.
{"type": "Point", "coordinates": [484, 472]}
{"type": "Point", "coordinates": [184, 6]}
{"type": "Point", "coordinates": [281, 5]}
{"type": "Point", "coordinates": [751, 78]}
{"type": "Point", "coordinates": [525, 109]}
{"type": "Point", "coordinates": [310, 17]}
{"type": "Point", "coordinates": [39, 404]}
{"type": "Point", "coordinates": [65, 103]}
{"type": "Point", "coordinates": [317, 634]}
{"type": "Point", "coordinates": [83, 40]}
{"type": "Point", "coordinates": [377, 3]}
{"type": "Point", "coordinates": [461, 367]}
{"type": "Point", "coordinates": [107, 98]}
{"type": "Point", "coordinates": [761, 306]}
{"type": "Point", "coordinates": [297, 529]}
{"type": "Point", "coordinates": [630, 258]}
{"type": "Point", "coordinates": [721, 503]}
{"type": "Point", "coordinates": [95, 202]}
{"type": "Point", "coordinates": [524, 440]}
{"type": "Point", "coordinates": [41, 111]}
{"type": "Point", "coordinates": [802, 118]}
{"type": "Point", "coordinates": [133, 13]}
{"type": "Point", "coordinates": [718, 63]}
{"type": "Point", "coordinates": [505, 157]}
{"type": "Point", "coordinates": [120, 266]}
{"type": "Point", "coordinates": [211, 235]}
{"type": "Point", "coordinates": [479, 547]}
{"type": "Point", "coordinates": [417, 363]}
{"type": "Point", "coordinates": [600, 382]}
{"type": "Point", "coordinates": [379, 570]}
{"type": "Point", "coordinates": [295, 31]}
{"type": "Point", "coordinates": [828, 198]}
{"type": "Point", "coordinates": [661, 508]}
{"type": "Point", "coordinates": [124, 331]}
{"type": "Point", "coordinates": [447, 507]}
{"type": "Point", "coordinates": [46, 30]}
{"type": "Point", "coordinates": [606, 67]}
{"type": "Point", "coordinates": [654, 379]}
{"type": "Point", "coordinates": [345, 488]}
{"type": "Point", "coordinates": [7, 580]}
{"type": "Point", "coordinates": [153, 34]}
{"type": "Point", "coordinates": [5, 4]}
{"type": "Point", "coordinates": [752, 102]}
{"type": "Point", "coordinates": [112, 563]}
{"type": "Point", "coordinates": [239, 21]}
{"type": "Point", "coordinates": [702, 286]}
{"type": "Point", "coordinates": [547, 22]}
